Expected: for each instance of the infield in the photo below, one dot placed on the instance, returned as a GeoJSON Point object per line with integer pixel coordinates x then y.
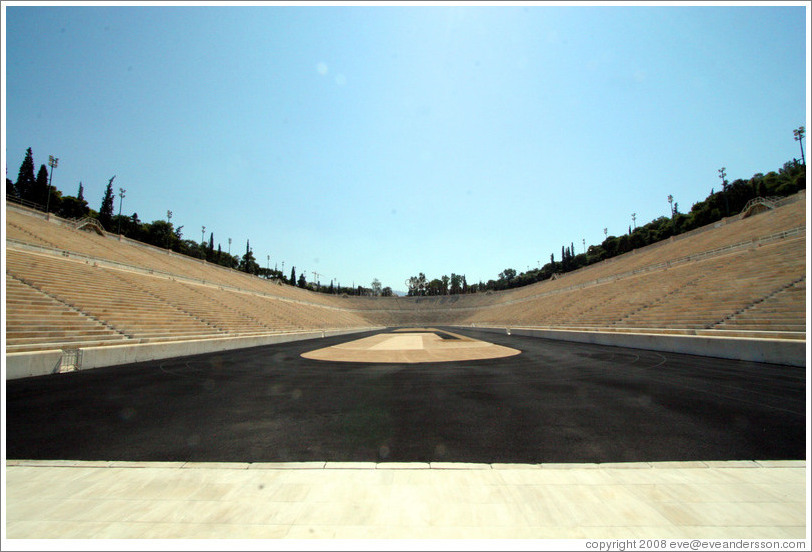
{"type": "Point", "coordinates": [412, 346]}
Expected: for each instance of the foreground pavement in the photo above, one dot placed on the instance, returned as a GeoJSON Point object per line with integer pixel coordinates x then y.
{"type": "Point", "coordinates": [52, 499]}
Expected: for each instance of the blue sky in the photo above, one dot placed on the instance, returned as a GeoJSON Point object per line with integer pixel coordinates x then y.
{"type": "Point", "coordinates": [382, 141]}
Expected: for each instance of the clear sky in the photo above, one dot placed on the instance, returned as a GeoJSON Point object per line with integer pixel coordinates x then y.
{"type": "Point", "coordinates": [381, 141]}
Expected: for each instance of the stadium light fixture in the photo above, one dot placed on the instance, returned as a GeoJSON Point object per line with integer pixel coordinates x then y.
{"type": "Point", "coordinates": [52, 162]}
{"type": "Point", "coordinates": [169, 223]}
{"type": "Point", "coordinates": [121, 192]}
{"type": "Point", "coordinates": [722, 175]}
{"type": "Point", "coordinates": [799, 135]}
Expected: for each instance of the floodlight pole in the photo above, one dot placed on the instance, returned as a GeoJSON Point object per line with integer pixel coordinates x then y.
{"type": "Point", "coordinates": [722, 175]}
{"type": "Point", "coordinates": [52, 162]}
{"type": "Point", "coordinates": [169, 229]}
{"type": "Point", "coordinates": [121, 192]}
{"type": "Point", "coordinates": [799, 135]}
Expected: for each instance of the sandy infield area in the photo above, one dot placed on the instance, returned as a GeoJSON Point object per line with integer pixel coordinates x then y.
{"type": "Point", "coordinates": [413, 345]}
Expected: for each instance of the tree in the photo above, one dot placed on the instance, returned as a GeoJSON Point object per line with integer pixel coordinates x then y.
{"type": "Point", "coordinates": [11, 188]}
{"type": "Point", "coordinates": [421, 284]}
{"type": "Point", "coordinates": [25, 177]}
{"type": "Point", "coordinates": [387, 292]}
{"type": "Point", "coordinates": [40, 192]}
{"type": "Point", "coordinates": [411, 286]}
{"type": "Point", "coordinates": [210, 253]}
{"type": "Point", "coordinates": [160, 233]}
{"type": "Point", "coordinates": [302, 281]}
{"type": "Point", "coordinates": [106, 210]}
{"type": "Point", "coordinates": [293, 276]}
{"type": "Point", "coordinates": [248, 263]}
{"type": "Point", "coordinates": [376, 287]}
{"type": "Point", "coordinates": [456, 284]}
{"type": "Point", "coordinates": [434, 287]}
{"type": "Point", "coordinates": [74, 207]}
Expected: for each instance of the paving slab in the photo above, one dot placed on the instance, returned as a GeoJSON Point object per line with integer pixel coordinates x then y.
{"type": "Point", "coordinates": [332, 503]}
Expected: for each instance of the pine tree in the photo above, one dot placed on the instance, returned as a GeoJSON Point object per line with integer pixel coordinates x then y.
{"type": "Point", "coordinates": [25, 178]}
{"type": "Point", "coordinates": [106, 210]}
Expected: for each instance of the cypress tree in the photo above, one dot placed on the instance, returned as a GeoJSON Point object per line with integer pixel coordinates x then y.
{"type": "Point", "coordinates": [248, 263]}
{"type": "Point", "coordinates": [40, 192]}
{"type": "Point", "coordinates": [293, 276]}
{"type": "Point", "coordinates": [106, 210]}
{"type": "Point", "coordinates": [25, 178]}
{"type": "Point", "coordinates": [81, 194]}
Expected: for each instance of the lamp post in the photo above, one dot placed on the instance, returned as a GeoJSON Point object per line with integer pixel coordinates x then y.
{"type": "Point", "coordinates": [799, 135]}
{"type": "Point", "coordinates": [121, 192]}
{"type": "Point", "coordinates": [52, 162]}
{"type": "Point", "coordinates": [722, 175]}
{"type": "Point", "coordinates": [169, 227]}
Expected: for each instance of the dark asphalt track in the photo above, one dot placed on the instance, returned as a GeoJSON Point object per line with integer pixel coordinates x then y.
{"type": "Point", "coordinates": [556, 402]}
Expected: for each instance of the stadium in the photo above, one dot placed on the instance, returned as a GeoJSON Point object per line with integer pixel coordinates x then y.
{"type": "Point", "coordinates": [660, 393]}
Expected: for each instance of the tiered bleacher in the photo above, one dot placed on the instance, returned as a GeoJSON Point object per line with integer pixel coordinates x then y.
{"type": "Point", "coordinates": [73, 288]}
{"type": "Point", "coordinates": [67, 287]}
